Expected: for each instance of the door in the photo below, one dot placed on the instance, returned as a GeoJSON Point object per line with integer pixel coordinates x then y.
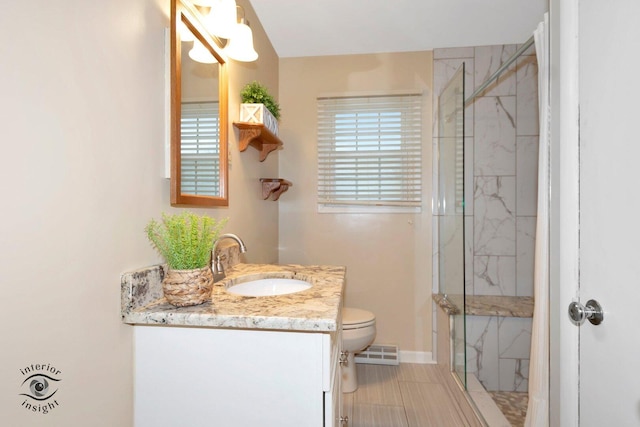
{"type": "Point", "coordinates": [608, 383]}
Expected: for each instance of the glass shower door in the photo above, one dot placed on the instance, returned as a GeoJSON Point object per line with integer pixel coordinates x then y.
{"type": "Point", "coordinates": [451, 211]}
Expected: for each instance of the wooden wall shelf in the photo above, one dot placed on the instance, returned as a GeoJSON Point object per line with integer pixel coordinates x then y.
{"type": "Point", "coordinates": [274, 187]}
{"type": "Point", "coordinates": [258, 136]}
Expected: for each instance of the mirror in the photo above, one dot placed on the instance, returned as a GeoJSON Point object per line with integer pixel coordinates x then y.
{"type": "Point", "coordinates": [199, 112]}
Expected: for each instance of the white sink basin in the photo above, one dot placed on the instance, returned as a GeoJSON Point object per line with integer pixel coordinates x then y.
{"type": "Point", "coordinates": [269, 287]}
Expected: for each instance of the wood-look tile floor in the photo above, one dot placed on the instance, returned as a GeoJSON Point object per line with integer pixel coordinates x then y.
{"type": "Point", "coordinates": [408, 395]}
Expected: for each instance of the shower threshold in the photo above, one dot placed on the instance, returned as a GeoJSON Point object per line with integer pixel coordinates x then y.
{"type": "Point", "coordinates": [484, 403]}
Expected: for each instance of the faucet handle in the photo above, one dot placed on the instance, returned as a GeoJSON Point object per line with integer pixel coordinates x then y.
{"type": "Point", "coordinates": [219, 268]}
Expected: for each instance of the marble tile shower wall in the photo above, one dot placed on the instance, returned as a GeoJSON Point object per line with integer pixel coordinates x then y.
{"type": "Point", "coordinates": [501, 146]}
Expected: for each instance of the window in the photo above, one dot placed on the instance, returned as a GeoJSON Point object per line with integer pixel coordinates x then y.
{"type": "Point", "coordinates": [369, 152]}
{"type": "Point", "coordinates": [200, 148]}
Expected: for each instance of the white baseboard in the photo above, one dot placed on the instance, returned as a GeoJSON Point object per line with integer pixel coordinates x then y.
{"type": "Point", "coordinates": [421, 357]}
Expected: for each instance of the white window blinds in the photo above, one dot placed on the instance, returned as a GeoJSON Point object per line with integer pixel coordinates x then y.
{"type": "Point", "coordinates": [369, 151]}
{"type": "Point", "coordinates": [200, 148]}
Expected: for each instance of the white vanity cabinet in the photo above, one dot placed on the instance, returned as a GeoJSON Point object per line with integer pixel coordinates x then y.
{"type": "Point", "coordinates": [237, 361]}
{"type": "Point", "coordinates": [216, 377]}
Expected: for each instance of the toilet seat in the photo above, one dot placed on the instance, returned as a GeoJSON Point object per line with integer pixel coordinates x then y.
{"type": "Point", "coordinates": [355, 318]}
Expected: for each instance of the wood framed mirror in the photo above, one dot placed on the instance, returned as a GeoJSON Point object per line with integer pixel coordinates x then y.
{"type": "Point", "coordinates": [199, 112]}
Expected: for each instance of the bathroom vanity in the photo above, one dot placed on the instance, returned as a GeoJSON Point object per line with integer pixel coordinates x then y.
{"type": "Point", "coordinates": [237, 360]}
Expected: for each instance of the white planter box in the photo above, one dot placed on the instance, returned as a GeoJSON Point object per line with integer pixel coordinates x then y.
{"type": "Point", "coordinates": [257, 113]}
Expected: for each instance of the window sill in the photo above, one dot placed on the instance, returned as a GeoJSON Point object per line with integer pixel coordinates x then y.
{"type": "Point", "coordinates": [350, 209]}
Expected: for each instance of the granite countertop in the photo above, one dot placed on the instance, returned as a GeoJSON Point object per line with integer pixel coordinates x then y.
{"type": "Point", "coordinates": [315, 309]}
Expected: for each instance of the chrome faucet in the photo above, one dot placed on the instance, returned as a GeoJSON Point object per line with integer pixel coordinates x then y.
{"type": "Point", "coordinates": [216, 261]}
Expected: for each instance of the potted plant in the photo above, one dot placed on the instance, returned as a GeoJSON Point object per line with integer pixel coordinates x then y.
{"type": "Point", "coordinates": [259, 106]}
{"type": "Point", "coordinates": [185, 241]}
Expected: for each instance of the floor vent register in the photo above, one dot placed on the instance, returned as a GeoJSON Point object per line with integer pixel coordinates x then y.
{"type": "Point", "coordinates": [379, 355]}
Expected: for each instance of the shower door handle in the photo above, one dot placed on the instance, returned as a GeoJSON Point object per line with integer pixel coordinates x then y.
{"type": "Point", "coordinates": [578, 313]}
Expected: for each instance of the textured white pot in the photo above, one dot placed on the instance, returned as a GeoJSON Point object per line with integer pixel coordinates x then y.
{"type": "Point", "coordinates": [258, 113]}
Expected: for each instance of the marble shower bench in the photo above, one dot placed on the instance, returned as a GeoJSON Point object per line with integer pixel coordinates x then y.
{"type": "Point", "coordinates": [498, 343]}
{"type": "Point", "coordinates": [488, 305]}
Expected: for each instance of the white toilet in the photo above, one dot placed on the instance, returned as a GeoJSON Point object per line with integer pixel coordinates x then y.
{"type": "Point", "coordinates": [358, 332]}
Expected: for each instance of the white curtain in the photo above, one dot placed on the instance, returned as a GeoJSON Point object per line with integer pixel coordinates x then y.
{"type": "Point", "coordinates": [538, 410]}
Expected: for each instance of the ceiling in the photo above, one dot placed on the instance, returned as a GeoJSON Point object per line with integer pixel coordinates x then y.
{"type": "Point", "coordinates": [340, 27]}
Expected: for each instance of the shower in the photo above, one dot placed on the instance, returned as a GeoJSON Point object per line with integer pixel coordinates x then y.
{"type": "Point", "coordinates": [485, 212]}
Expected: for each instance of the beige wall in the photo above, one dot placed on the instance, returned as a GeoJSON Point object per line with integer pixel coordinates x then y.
{"type": "Point", "coordinates": [388, 256]}
{"type": "Point", "coordinates": [253, 219]}
{"type": "Point", "coordinates": [82, 145]}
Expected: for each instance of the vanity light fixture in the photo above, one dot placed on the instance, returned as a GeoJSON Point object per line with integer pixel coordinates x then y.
{"type": "Point", "coordinates": [240, 47]}
{"type": "Point", "coordinates": [222, 21]}
{"type": "Point", "coordinates": [199, 53]}
{"type": "Point", "coordinates": [222, 18]}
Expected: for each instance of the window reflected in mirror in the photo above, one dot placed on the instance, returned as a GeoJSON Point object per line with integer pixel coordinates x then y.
{"type": "Point", "coordinates": [199, 122]}
{"type": "Point", "coordinates": [199, 113]}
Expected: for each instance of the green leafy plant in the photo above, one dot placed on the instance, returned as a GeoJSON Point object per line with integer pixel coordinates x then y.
{"type": "Point", "coordinates": [184, 240]}
{"type": "Point", "coordinates": [256, 93]}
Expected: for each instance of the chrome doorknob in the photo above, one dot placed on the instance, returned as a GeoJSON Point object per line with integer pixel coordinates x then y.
{"type": "Point", "coordinates": [578, 313]}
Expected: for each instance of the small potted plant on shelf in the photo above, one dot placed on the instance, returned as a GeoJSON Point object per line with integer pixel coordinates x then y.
{"type": "Point", "coordinates": [259, 106]}
{"type": "Point", "coordinates": [185, 241]}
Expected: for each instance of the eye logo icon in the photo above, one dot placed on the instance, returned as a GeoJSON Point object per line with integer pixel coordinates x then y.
{"type": "Point", "coordinates": [39, 388]}
{"type": "Point", "coordinates": [39, 385]}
